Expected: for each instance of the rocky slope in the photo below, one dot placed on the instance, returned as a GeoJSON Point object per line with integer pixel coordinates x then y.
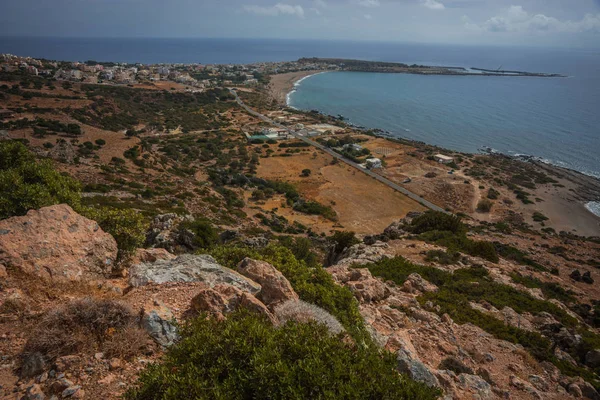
{"type": "Point", "coordinates": [53, 257]}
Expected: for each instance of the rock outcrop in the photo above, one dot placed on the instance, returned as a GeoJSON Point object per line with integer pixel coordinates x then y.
{"type": "Point", "coordinates": [158, 321]}
{"type": "Point", "coordinates": [222, 299]}
{"type": "Point", "coordinates": [189, 268]}
{"type": "Point", "coordinates": [360, 281]}
{"type": "Point", "coordinates": [56, 243]}
{"type": "Point", "coordinates": [361, 254]}
{"type": "Point", "coordinates": [275, 288]}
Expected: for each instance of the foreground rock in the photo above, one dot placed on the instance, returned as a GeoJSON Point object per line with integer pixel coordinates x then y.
{"type": "Point", "coordinates": [275, 288]}
{"type": "Point", "coordinates": [223, 299]}
{"type": "Point", "coordinates": [189, 268]}
{"type": "Point", "coordinates": [158, 321]}
{"type": "Point", "coordinates": [56, 243]}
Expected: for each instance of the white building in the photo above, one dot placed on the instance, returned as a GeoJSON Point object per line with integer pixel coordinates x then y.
{"type": "Point", "coordinates": [373, 163]}
{"type": "Point", "coordinates": [443, 159]}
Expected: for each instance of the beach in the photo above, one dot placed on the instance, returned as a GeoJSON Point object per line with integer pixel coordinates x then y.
{"type": "Point", "coordinates": [282, 84]}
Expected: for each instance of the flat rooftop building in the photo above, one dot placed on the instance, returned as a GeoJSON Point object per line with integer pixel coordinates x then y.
{"type": "Point", "coordinates": [443, 159]}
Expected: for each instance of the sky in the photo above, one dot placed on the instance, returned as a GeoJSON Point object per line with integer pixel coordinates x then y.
{"type": "Point", "coordinates": [555, 23]}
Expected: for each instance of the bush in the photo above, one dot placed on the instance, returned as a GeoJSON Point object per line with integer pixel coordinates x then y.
{"type": "Point", "coordinates": [448, 230]}
{"type": "Point", "coordinates": [313, 284]}
{"type": "Point", "coordinates": [83, 326]}
{"type": "Point", "coordinates": [301, 311]}
{"type": "Point", "coordinates": [306, 172]}
{"type": "Point", "coordinates": [100, 142]}
{"type": "Point", "coordinates": [127, 226]}
{"type": "Point", "coordinates": [484, 206]}
{"type": "Point", "coordinates": [539, 217]}
{"type": "Point", "coordinates": [340, 241]}
{"type": "Point", "coordinates": [442, 257]}
{"type": "Point", "coordinates": [28, 184]}
{"type": "Point", "coordinates": [493, 194]}
{"type": "Point", "coordinates": [437, 221]}
{"type": "Point", "coordinates": [244, 357]}
{"type": "Point", "coordinates": [455, 365]}
{"type": "Point", "coordinates": [205, 236]}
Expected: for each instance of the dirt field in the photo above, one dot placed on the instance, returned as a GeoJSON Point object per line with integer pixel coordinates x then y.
{"type": "Point", "coordinates": [362, 204]}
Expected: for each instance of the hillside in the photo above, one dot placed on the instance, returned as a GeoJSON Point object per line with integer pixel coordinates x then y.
{"type": "Point", "coordinates": [156, 242]}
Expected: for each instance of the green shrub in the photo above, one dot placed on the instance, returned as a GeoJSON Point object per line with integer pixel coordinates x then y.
{"type": "Point", "coordinates": [484, 206]}
{"type": "Point", "coordinates": [205, 234]}
{"type": "Point", "coordinates": [313, 284]}
{"type": "Point", "coordinates": [442, 257]}
{"type": "Point", "coordinates": [244, 357]}
{"type": "Point", "coordinates": [437, 221]}
{"type": "Point", "coordinates": [550, 289]}
{"type": "Point", "coordinates": [28, 184]}
{"type": "Point", "coordinates": [539, 217]}
{"type": "Point", "coordinates": [100, 142]}
{"type": "Point", "coordinates": [127, 226]}
{"type": "Point", "coordinates": [493, 194]}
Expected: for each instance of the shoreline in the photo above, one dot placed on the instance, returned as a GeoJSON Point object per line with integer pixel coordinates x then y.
{"type": "Point", "coordinates": [571, 213]}
{"type": "Point", "coordinates": [282, 85]}
{"type": "Point", "coordinates": [483, 150]}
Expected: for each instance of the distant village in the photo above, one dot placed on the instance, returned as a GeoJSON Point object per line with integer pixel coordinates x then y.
{"type": "Point", "coordinates": [194, 76]}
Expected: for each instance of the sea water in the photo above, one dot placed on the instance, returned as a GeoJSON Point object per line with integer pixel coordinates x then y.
{"type": "Point", "coordinates": [554, 119]}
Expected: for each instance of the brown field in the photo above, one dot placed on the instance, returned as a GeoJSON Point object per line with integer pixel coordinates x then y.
{"type": "Point", "coordinates": [362, 204]}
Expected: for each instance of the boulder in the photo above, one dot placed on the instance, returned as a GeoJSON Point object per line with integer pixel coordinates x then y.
{"type": "Point", "coordinates": [275, 288]}
{"type": "Point", "coordinates": [363, 285]}
{"type": "Point", "coordinates": [189, 268]}
{"type": "Point", "coordinates": [588, 391]}
{"type": "Point", "coordinates": [415, 282]}
{"type": "Point", "coordinates": [223, 299]}
{"type": "Point", "coordinates": [150, 256]}
{"type": "Point", "coordinates": [56, 243]}
{"type": "Point", "coordinates": [361, 254]}
{"type": "Point", "coordinates": [477, 385]}
{"type": "Point", "coordinates": [415, 369]}
{"type": "Point", "coordinates": [164, 232]}
{"type": "Point", "coordinates": [592, 358]}
{"type": "Point", "coordinates": [157, 320]}
{"type": "Point", "coordinates": [34, 392]}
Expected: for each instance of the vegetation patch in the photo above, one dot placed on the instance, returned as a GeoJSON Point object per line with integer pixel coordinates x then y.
{"type": "Point", "coordinates": [244, 357]}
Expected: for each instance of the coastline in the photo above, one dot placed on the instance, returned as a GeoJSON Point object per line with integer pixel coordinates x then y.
{"type": "Point", "coordinates": [282, 85]}
{"type": "Point", "coordinates": [573, 212]}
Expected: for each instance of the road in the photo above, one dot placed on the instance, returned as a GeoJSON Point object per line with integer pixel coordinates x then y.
{"type": "Point", "coordinates": [329, 151]}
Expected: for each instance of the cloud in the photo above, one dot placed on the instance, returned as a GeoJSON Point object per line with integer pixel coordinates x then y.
{"type": "Point", "coordinates": [368, 16]}
{"type": "Point", "coordinates": [369, 3]}
{"type": "Point", "coordinates": [432, 4]}
{"type": "Point", "coordinates": [517, 19]}
{"type": "Point", "coordinates": [320, 3]}
{"type": "Point", "coordinates": [275, 10]}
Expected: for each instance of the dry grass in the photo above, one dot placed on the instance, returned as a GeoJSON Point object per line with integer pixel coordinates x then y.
{"type": "Point", "coordinates": [301, 311]}
{"type": "Point", "coordinates": [84, 326]}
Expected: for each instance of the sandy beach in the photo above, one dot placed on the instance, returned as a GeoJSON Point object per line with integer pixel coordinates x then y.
{"type": "Point", "coordinates": [282, 84]}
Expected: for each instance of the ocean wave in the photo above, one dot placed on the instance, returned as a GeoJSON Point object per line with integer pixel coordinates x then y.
{"type": "Point", "coordinates": [593, 207]}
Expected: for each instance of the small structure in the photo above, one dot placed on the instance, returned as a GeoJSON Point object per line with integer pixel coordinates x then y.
{"type": "Point", "coordinates": [373, 163]}
{"type": "Point", "coordinates": [442, 159]}
{"type": "Point", "coordinates": [352, 147]}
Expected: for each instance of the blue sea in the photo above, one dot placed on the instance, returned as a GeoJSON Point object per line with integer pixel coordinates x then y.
{"type": "Point", "coordinates": [556, 119]}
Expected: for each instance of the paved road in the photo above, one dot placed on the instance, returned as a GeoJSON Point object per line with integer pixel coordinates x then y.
{"type": "Point", "coordinates": [329, 151]}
